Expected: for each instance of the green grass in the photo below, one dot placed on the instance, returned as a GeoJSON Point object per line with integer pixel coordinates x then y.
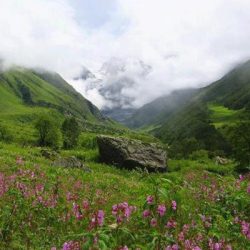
{"type": "Point", "coordinates": [48, 92]}
{"type": "Point", "coordinates": [149, 129]}
{"type": "Point", "coordinates": [183, 166]}
{"type": "Point", "coordinates": [221, 115]}
{"type": "Point", "coordinates": [105, 186]}
{"type": "Point", "coordinates": [25, 224]}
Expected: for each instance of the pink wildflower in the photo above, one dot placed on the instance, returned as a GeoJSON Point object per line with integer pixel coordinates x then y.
{"type": "Point", "coordinates": [171, 224]}
{"type": "Point", "coordinates": [161, 209]}
{"type": "Point", "coordinates": [188, 244]}
{"type": "Point", "coordinates": [245, 229]}
{"type": "Point", "coordinates": [153, 222]}
{"type": "Point", "coordinates": [124, 248]}
{"type": "Point", "coordinates": [146, 213]}
{"type": "Point", "coordinates": [3, 185]}
{"type": "Point", "coordinates": [69, 196]}
{"type": "Point", "coordinates": [85, 204]}
{"type": "Point", "coordinates": [248, 189]}
{"type": "Point", "coordinates": [122, 211]}
{"type": "Point", "coordinates": [39, 188]}
{"type": "Point", "coordinates": [150, 199]}
{"type": "Point", "coordinates": [236, 220]}
{"type": "Point", "coordinates": [229, 247]}
{"type": "Point", "coordinates": [114, 209]}
{"type": "Point", "coordinates": [186, 228]}
{"type": "Point", "coordinates": [77, 211]}
{"type": "Point", "coordinates": [128, 210]}
{"type": "Point", "coordinates": [174, 205]}
{"type": "Point", "coordinates": [173, 247]}
{"type": "Point", "coordinates": [217, 246]}
{"type": "Point", "coordinates": [181, 236]}
{"type": "Point", "coordinates": [68, 245]}
{"type": "Point", "coordinates": [119, 219]}
{"type": "Point", "coordinates": [100, 217]}
{"type": "Point", "coordinates": [203, 218]}
{"type": "Point", "coordinates": [75, 207]}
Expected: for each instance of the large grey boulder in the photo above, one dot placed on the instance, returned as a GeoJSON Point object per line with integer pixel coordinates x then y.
{"type": "Point", "coordinates": [132, 154]}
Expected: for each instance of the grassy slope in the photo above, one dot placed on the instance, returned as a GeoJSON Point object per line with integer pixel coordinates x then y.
{"type": "Point", "coordinates": [156, 112]}
{"type": "Point", "coordinates": [48, 93]}
{"type": "Point", "coordinates": [13, 113]}
{"type": "Point", "coordinates": [105, 186]}
{"type": "Point", "coordinates": [231, 99]}
{"type": "Point", "coordinates": [222, 116]}
{"type": "Point", "coordinates": [44, 91]}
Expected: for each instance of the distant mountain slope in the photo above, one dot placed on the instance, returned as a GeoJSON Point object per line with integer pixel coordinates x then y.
{"type": "Point", "coordinates": [197, 119]}
{"type": "Point", "coordinates": [22, 87]}
{"type": "Point", "coordinates": [158, 111]}
{"type": "Point", "coordinates": [233, 90]}
{"type": "Point", "coordinates": [24, 94]}
{"type": "Point", "coordinates": [119, 114]}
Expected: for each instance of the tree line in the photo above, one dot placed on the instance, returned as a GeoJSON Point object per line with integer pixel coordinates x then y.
{"type": "Point", "coordinates": [50, 134]}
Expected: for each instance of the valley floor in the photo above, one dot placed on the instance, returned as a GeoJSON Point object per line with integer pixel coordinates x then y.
{"type": "Point", "coordinates": [196, 205]}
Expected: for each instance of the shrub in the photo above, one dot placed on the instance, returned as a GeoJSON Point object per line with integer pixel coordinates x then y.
{"type": "Point", "coordinates": [87, 140]}
{"type": "Point", "coordinates": [5, 134]}
{"type": "Point", "coordinates": [71, 132]}
{"type": "Point", "coordinates": [183, 148]}
{"type": "Point", "coordinates": [240, 138]}
{"type": "Point", "coordinates": [199, 155]}
{"type": "Point", "coordinates": [49, 132]}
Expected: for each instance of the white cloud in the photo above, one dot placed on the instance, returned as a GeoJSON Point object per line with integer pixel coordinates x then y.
{"type": "Point", "coordinates": [40, 33]}
{"type": "Point", "coordinates": [187, 43]}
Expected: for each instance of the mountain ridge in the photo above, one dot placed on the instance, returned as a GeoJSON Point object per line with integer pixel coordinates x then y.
{"type": "Point", "coordinates": [27, 93]}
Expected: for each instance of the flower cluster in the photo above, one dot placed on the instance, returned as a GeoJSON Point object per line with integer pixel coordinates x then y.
{"type": "Point", "coordinates": [153, 211]}
{"type": "Point", "coordinates": [71, 245]}
{"type": "Point", "coordinates": [245, 229]}
{"type": "Point", "coordinates": [122, 211]}
{"type": "Point", "coordinates": [97, 219]}
{"type": "Point", "coordinates": [173, 247]}
{"type": "Point", "coordinates": [214, 245]}
{"type": "Point", "coordinates": [34, 203]}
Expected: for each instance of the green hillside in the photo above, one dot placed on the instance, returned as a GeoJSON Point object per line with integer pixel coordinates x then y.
{"type": "Point", "coordinates": [232, 90]}
{"type": "Point", "coordinates": [223, 116]}
{"type": "Point", "coordinates": [157, 111]}
{"type": "Point", "coordinates": [24, 94]}
{"type": "Point", "coordinates": [21, 87]}
{"type": "Point", "coordinates": [210, 112]}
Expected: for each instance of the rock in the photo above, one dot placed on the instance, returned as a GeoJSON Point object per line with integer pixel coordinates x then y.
{"type": "Point", "coordinates": [49, 154]}
{"type": "Point", "coordinates": [70, 162]}
{"type": "Point", "coordinates": [221, 161]}
{"type": "Point", "coordinates": [132, 154]}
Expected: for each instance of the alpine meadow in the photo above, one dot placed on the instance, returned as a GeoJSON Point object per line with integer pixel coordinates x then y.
{"type": "Point", "coordinates": [124, 125]}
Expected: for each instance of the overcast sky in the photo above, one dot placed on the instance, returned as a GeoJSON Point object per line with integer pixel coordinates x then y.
{"type": "Point", "coordinates": [186, 43]}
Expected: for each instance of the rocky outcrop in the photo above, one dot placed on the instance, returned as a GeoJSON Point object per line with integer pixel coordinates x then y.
{"type": "Point", "coordinates": [132, 154]}
{"type": "Point", "coordinates": [67, 162]}
{"type": "Point", "coordinates": [221, 161]}
{"type": "Point", "coordinates": [70, 162]}
{"type": "Point", "coordinates": [49, 154]}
